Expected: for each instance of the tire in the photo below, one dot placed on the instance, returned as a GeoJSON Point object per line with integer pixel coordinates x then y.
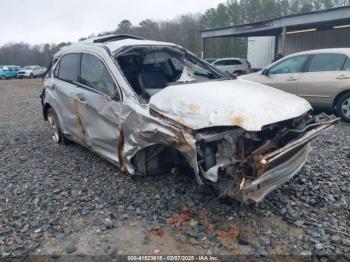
{"type": "Point", "coordinates": [237, 73]}
{"type": "Point", "coordinates": [31, 76]}
{"type": "Point", "coordinates": [57, 134]}
{"type": "Point", "coordinates": [3, 78]}
{"type": "Point", "coordinates": [343, 107]}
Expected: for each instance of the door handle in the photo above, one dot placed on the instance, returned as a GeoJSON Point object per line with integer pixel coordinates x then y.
{"type": "Point", "coordinates": [291, 79]}
{"type": "Point", "coordinates": [341, 77]}
{"type": "Point", "coordinates": [80, 97]}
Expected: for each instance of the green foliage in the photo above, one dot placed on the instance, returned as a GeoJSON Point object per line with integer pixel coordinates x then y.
{"type": "Point", "coordinates": [185, 29]}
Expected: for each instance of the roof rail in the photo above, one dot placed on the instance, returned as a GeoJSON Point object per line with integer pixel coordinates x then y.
{"type": "Point", "coordinates": [111, 38]}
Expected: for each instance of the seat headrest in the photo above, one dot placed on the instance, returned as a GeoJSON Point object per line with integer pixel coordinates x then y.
{"type": "Point", "coordinates": [156, 57]}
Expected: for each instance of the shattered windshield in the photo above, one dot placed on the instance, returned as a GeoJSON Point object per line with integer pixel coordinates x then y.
{"type": "Point", "coordinates": [151, 69]}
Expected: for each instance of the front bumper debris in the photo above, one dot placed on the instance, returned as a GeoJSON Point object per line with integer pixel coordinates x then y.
{"type": "Point", "coordinates": [256, 190]}
{"type": "Point", "coordinates": [290, 159]}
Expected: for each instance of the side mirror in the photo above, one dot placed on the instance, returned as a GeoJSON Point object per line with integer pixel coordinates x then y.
{"type": "Point", "coordinates": [116, 95]}
{"type": "Point", "coordinates": [265, 72]}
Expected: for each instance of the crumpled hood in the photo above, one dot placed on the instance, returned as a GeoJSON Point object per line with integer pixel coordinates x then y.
{"type": "Point", "coordinates": [238, 102]}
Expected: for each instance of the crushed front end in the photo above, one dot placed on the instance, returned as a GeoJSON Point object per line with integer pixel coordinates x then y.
{"type": "Point", "coordinates": [248, 165]}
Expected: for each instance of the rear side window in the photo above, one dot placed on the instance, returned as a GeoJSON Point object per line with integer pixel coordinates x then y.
{"type": "Point", "coordinates": [95, 75]}
{"type": "Point", "coordinates": [347, 65]}
{"type": "Point", "coordinates": [289, 65]}
{"type": "Point", "coordinates": [326, 62]}
{"type": "Point", "coordinates": [68, 67]}
{"type": "Point", "coordinates": [233, 62]}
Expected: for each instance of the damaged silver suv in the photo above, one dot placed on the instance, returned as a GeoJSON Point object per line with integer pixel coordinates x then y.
{"type": "Point", "coordinates": [148, 106]}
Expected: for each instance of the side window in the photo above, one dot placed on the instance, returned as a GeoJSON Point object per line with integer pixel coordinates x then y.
{"type": "Point", "coordinates": [68, 67]}
{"type": "Point", "coordinates": [326, 62]}
{"type": "Point", "coordinates": [233, 62]}
{"type": "Point", "coordinates": [177, 64]}
{"type": "Point", "coordinates": [347, 65]}
{"type": "Point", "coordinates": [95, 75]}
{"type": "Point", "coordinates": [221, 62]}
{"type": "Point", "coordinates": [289, 65]}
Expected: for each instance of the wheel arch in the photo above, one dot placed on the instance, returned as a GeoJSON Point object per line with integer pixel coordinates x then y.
{"type": "Point", "coordinates": [338, 96]}
{"type": "Point", "coordinates": [160, 155]}
{"type": "Point", "coordinates": [45, 109]}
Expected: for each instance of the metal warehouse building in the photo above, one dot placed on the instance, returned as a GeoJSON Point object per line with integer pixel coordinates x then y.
{"type": "Point", "coordinates": [289, 34]}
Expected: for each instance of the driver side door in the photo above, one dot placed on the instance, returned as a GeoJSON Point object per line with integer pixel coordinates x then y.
{"type": "Point", "coordinates": [99, 108]}
{"type": "Point", "coordinates": [286, 74]}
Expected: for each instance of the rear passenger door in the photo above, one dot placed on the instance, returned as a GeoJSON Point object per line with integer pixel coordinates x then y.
{"type": "Point", "coordinates": [323, 76]}
{"type": "Point", "coordinates": [99, 109]}
{"type": "Point", "coordinates": [286, 74]}
{"type": "Point", "coordinates": [234, 65]}
{"type": "Point", "coordinates": [63, 91]}
{"type": "Point", "coordinates": [221, 65]}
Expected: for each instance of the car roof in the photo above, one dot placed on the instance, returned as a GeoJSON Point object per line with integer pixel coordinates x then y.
{"type": "Point", "coordinates": [229, 58]}
{"type": "Point", "coordinates": [115, 42]}
{"type": "Point", "coordinates": [324, 51]}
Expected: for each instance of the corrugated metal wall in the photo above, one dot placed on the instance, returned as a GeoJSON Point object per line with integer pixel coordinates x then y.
{"type": "Point", "coordinates": [261, 51]}
{"type": "Point", "coordinates": [316, 40]}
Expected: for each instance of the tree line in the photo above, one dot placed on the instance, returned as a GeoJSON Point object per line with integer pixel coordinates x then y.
{"type": "Point", "coordinates": [185, 29]}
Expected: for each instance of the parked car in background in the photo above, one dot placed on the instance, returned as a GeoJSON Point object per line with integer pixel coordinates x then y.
{"type": "Point", "coordinates": [8, 71]}
{"type": "Point", "coordinates": [31, 71]}
{"type": "Point", "coordinates": [210, 60]}
{"type": "Point", "coordinates": [148, 106]}
{"type": "Point", "coordinates": [320, 76]}
{"type": "Point", "coordinates": [233, 65]}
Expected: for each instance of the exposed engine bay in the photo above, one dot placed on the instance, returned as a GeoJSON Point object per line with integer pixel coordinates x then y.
{"type": "Point", "coordinates": [234, 158]}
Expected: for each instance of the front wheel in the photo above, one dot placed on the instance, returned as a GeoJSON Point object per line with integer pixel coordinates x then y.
{"type": "Point", "coordinates": [343, 107]}
{"type": "Point", "coordinates": [57, 134]}
{"type": "Point", "coordinates": [31, 76]}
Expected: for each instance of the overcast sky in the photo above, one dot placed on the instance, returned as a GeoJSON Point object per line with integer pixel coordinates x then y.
{"type": "Point", "coordinates": [54, 21]}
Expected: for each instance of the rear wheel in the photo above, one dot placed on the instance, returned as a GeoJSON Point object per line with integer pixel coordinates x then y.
{"type": "Point", "coordinates": [57, 134]}
{"type": "Point", "coordinates": [343, 107]}
{"type": "Point", "coordinates": [3, 78]}
{"type": "Point", "coordinates": [237, 73]}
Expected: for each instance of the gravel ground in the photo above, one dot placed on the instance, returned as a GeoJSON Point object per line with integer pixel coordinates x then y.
{"type": "Point", "coordinates": [57, 200]}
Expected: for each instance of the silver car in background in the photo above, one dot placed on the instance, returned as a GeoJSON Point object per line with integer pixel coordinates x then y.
{"type": "Point", "coordinates": [31, 71]}
{"type": "Point", "coordinates": [149, 106]}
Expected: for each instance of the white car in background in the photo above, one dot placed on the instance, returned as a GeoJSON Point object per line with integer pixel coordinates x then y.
{"type": "Point", "coordinates": [233, 65]}
{"type": "Point", "coordinates": [31, 71]}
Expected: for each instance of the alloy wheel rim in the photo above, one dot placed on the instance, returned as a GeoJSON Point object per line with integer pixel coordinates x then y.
{"type": "Point", "coordinates": [54, 128]}
{"type": "Point", "coordinates": [345, 107]}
